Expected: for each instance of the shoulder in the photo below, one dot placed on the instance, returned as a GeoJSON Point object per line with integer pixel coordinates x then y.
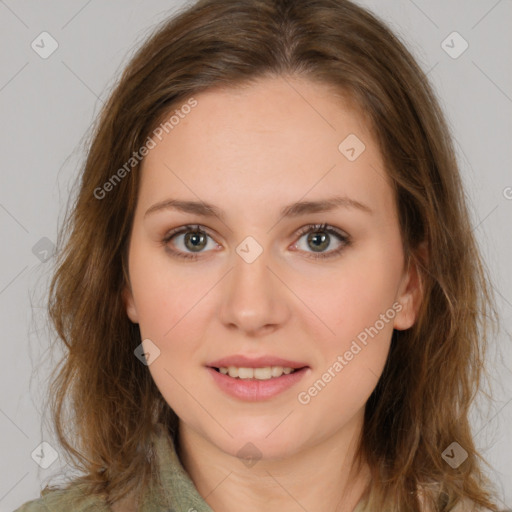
{"type": "Point", "coordinates": [65, 500]}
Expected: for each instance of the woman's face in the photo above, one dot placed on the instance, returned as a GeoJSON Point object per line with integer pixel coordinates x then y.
{"type": "Point", "coordinates": [253, 283]}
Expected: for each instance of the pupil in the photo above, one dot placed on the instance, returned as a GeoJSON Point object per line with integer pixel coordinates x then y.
{"type": "Point", "coordinates": [196, 238]}
{"type": "Point", "coordinates": [318, 237]}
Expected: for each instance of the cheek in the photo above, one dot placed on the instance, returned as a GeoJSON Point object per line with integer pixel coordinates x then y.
{"type": "Point", "coordinates": [352, 359]}
{"type": "Point", "coordinates": [169, 308]}
{"type": "Point", "coordinates": [166, 296]}
{"type": "Point", "coordinates": [355, 296]}
{"type": "Point", "coordinates": [358, 305]}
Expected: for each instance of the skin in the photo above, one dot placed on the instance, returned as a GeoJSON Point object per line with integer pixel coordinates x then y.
{"type": "Point", "coordinates": [251, 151]}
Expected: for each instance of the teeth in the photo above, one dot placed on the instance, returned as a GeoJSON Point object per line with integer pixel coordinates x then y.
{"type": "Point", "coordinates": [266, 373]}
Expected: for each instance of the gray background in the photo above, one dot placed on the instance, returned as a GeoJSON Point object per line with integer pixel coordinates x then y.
{"type": "Point", "coordinates": [47, 106]}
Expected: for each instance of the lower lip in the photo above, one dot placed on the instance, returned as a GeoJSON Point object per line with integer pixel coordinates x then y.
{"type": "Point", "coordinates": [254, 389]}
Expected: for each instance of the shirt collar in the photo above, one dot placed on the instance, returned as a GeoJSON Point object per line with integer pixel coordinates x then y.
{"type": "Point", "coordinates": [173, 491]}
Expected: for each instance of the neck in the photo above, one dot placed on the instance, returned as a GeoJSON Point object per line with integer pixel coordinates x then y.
{"type": "Point", "coordinates": [318, 477]}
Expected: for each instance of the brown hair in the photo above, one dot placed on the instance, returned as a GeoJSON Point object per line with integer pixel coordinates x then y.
{"type": "Point", "coordinates": [434, 369]}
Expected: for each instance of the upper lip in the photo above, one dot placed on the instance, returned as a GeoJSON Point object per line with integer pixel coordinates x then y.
{"type": "Point", "coordinates": [241, 361]}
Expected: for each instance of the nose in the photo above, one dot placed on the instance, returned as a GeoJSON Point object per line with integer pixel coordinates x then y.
{"type": "Point", "coordinates": [254, 297]}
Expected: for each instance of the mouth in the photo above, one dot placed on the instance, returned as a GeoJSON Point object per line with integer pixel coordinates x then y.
{"type": "Point", "coordinates": [256, 384]}
{"type": "Point", "coordinates": [262, 373]}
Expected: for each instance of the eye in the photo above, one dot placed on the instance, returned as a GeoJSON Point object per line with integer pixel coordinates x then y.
{"type": "Point", "coordinates": [194, 239]}
{"type": "Point", "coordinates": [319, 237]}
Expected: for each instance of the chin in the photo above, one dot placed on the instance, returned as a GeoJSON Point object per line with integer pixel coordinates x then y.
{"type": "Point", "coordinates": [260, 440]}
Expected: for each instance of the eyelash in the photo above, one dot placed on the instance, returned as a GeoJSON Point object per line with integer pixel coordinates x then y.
{"type": "Point", "coordinates": [311, 228]}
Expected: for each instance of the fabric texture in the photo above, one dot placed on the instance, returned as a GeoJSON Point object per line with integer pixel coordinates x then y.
{"type": "Point", "coordinates": [173, 491]}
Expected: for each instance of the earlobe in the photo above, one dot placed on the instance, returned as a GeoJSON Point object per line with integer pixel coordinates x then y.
{"type": "Point", "coordinates": [129, 304]}
{"type": "Point", "coordinates": [410, 295]}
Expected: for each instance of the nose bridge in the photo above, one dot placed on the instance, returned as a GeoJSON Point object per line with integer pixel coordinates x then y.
{"type": "Point", "coordinates": [254, 296]}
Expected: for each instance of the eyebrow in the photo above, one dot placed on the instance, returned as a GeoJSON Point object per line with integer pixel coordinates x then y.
{"type": "Point", "coordinates": [293, 210]}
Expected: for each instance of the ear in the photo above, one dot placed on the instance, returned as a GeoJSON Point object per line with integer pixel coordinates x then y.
{"type": "Point", "coordinates": [129, 304]}
{"type": "Point", "coordinates": [410, 294]}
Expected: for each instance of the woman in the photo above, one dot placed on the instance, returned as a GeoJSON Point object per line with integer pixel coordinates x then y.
{"type": "Point", "coordinates": [270, 292]}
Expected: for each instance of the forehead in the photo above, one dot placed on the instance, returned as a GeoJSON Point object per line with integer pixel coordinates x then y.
{"type": "Point", "coordinates": [276, 140]}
